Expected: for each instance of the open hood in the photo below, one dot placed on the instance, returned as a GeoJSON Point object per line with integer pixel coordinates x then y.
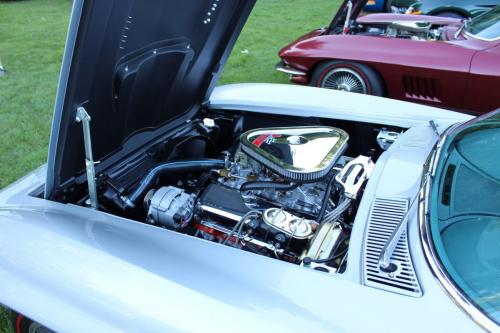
{"type": "Point", "coordinates": [136, 67]}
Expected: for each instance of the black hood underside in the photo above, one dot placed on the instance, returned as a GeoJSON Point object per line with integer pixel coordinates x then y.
{"type": "Point", "coordinates": [136, 66]}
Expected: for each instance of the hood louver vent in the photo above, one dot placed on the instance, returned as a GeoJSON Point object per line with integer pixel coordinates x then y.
{"type": "Point", "coordinates": [385, 216]}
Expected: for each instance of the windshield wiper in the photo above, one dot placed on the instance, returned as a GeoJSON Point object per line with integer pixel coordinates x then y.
{"type": "Point", "coordinates": [384, 260]}
{"type": "Point", "coordinates": [459, 31]}
{"type": "Point", "coordinates": [434, 127]}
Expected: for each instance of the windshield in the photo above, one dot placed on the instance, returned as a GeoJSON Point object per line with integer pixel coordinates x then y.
{"type": "Point", "coordinates": [486, 26]}
{"type": "Point", "coordinates": [465, 212]}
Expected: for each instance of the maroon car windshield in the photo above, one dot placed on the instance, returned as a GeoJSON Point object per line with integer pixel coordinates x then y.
{"type": "Point", "coordinates": [486, 26]}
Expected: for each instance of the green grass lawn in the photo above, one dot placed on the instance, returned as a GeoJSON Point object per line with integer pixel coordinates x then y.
{"type": "Point", "coordinates": [32, 35]}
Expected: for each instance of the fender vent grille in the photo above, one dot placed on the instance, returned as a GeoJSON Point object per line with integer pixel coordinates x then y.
{"type": "Point", "coordinates": [385, 215]}
{"type": "Point", "coordinates": [421, 88]}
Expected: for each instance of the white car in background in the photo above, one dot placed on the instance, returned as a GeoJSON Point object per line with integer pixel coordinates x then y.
{"type": "Point", "coordinates": [168, 205]}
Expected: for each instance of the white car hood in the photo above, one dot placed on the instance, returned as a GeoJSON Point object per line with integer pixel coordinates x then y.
{"type": "Point", "coordinates": [294, 100]}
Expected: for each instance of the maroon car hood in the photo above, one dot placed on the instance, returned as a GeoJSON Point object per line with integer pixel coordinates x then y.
{"type": "Point", "coordinates": [389, 18]}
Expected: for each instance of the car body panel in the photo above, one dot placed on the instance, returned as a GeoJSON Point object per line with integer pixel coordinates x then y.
{"type": "Point", "coordinates": [77, 270]}
{"type": "Point", "coordinates": [297, 100]}
{"type": "Point", "coordinates": [485, 71]}
{"type": "Point", "coordinates": [404, 64]}
{"type": "Point", "coordinates": [444, 63]}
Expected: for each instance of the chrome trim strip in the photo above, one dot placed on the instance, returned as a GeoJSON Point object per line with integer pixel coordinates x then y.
{"type": "Point", "coordinates": [222, 213]}
{"type": "Point", "coordinates": [439, 271]}
{"type": "Point", "coordinates": [281, 67]}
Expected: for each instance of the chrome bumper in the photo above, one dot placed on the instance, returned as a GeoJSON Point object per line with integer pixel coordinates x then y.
{"type": "Point", "coordinates": [282, 67]}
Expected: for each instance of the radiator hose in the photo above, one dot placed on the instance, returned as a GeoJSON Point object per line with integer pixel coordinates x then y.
{"type": "Point", "coordinates": [149, 181]}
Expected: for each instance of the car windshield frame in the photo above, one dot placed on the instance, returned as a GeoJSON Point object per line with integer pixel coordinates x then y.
{"type": "Point", "coordinates": [432, 254]}
{"type": "Point", "coordinates": [483, 22]}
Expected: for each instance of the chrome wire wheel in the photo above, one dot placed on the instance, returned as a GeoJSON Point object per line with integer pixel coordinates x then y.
{"type": "Point", "coordinates": [344, 79]}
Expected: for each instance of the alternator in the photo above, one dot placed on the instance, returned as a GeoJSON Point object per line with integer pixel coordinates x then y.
{"type": "Point", "coordinates": [170, 207]}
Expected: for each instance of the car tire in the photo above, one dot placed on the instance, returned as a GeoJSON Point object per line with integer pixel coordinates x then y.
{"type": "Point", "coordinates": [347, 76]}
{"type": "Point", "coordinates": [23, 324]}
{"type": "Point", "coordinates": [450, 15]}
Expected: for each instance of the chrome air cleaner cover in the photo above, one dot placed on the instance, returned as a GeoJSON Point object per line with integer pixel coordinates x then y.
{"type": "Point", "coordinates": [303, 154]}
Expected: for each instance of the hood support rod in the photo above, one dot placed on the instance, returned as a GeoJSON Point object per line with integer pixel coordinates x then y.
{"type": "Point", "coordinates": [83, 117]}
{"type": "Point", "coordinates": [347, 21]}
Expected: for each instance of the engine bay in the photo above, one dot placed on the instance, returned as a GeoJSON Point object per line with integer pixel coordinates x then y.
{"type": "Point", "coordinates": [418, 31]}
{"type": "Point", "coordinates": [288, 192]}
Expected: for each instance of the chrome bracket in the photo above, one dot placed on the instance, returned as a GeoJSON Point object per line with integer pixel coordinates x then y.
{"type": "Point", "coordinates": [83, 117]}
{"type": "Point", "coordinates": [386, 138]}
{"type": "Point", "coordinates": [353, 175]}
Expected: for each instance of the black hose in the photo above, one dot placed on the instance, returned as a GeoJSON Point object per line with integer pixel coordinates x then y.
{"type": "Point", "coordinates": [326, 198]}
{"type": "Point", "coordinates": [175, 166]}
{"type": "Point", "coordinates": [267, 185]}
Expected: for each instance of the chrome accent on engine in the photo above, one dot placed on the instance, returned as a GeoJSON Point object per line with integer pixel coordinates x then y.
{"type": "Point", "coordinates": [304, 154]}
{"type": "Point", "coordinates": [245, 238]}
{"type": "Point", "coordinates": [411, 26]}
{"type": "Point", "coordinates": [386, 138]}
{"type": "Point", "coordinates": [220, 212]}
{"type": "Point", "coordinates": [354, 174]}
{"type": "Point", "coordinates": [419, 30]}
{"type": "Point", "coordinates": [289, 224]}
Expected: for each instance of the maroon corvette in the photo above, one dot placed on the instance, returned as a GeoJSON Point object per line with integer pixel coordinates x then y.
{"type": "Point", "coordinates": [438, 61]}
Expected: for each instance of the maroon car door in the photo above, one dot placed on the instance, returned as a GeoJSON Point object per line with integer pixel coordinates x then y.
{"type": "Point", "coordinates": [483, 84]}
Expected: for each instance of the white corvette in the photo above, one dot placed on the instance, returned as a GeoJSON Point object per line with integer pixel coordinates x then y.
{"type": "Point", "coordinates": [169, 206]}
